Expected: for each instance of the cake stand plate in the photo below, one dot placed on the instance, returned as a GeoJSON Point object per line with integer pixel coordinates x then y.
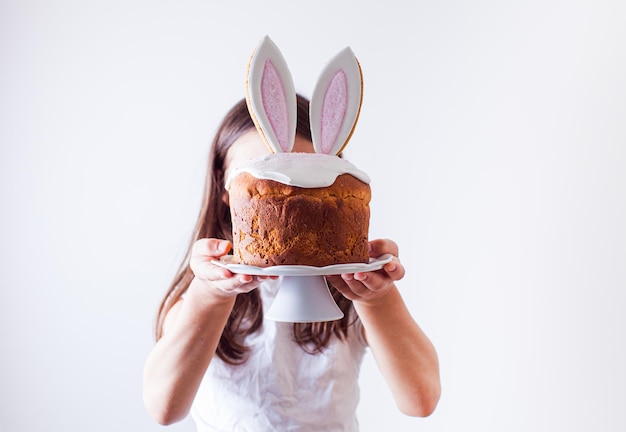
{"type": "Point", "coordinates": [303, 295]}
{"type": "Point", "coordinates": [297, 270]}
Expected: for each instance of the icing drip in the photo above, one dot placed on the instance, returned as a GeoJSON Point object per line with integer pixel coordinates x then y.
{"type": "Point", "coordinates": [307, 170]}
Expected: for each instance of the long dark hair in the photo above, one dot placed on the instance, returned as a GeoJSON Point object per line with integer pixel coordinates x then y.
{"type": "Point", "coordinates": [214, 222]}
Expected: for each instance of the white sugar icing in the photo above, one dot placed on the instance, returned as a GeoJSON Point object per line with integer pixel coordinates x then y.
{"type": "Point", "coordinates": [306, 170]}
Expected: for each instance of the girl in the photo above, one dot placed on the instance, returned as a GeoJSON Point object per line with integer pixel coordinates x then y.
{"type": "Point", "coordinates": [217, 356]}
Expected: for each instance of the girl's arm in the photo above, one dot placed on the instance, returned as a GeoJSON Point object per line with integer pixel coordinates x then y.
{"type": "Point", "coordinates": [404, 354]}
{"type": "Point", "coordinates": [191, 332]}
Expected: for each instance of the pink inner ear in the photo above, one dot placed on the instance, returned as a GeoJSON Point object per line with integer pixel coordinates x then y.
{"type": "Point", "coordinates": [275, 104]}
{"type": "Point", "coordinates": [333, 111]}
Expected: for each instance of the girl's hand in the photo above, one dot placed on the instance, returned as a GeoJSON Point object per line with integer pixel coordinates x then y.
{"type": "Point", "coordinates": [367, 287]}
{"type": "Point", "coordinates": [220, 281]}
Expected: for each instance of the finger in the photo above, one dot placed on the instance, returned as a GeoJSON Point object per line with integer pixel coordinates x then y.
{"type": "Point", "coordinates": [338, 282]}
{"type": "Point", "coordinates": [205, 250]}
{"type": "Point", "coordinates": [236, 284]}
{"type": "Point", "coordinates": [350, 292]}
{"type": "Point", "coordinates": [203, 268]}
{"type": "Point", "coordinates": [380, 247]}
{"type": "Point", "coordinates": [361, 285]}
{"type": "Point", "coordinates": [213, 248]}
{"type": "Point", "coordinates": [245, 283]}
{"type": "Point", "coordinates": [370, 281]}
{"type": "Point", "coordinates": [394, 269]}
{"type": "Point", "coordinates": [356, 286]}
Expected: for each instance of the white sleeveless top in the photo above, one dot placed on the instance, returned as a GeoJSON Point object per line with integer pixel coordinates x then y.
{"type": "Point", "coordinates": [281, 387]}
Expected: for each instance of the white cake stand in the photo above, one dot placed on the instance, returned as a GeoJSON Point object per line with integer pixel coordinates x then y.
{"type": "Point", "coordinates": [303, 295]}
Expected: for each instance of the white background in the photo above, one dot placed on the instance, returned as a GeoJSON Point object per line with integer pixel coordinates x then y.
{"type": "Point", "coordinates": [495, 136]}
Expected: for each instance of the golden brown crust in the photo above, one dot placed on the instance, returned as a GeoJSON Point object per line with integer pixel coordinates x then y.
{"type": "Point", "coordinates": [278, 224]}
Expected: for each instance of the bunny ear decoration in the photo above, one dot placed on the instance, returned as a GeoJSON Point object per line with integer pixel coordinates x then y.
{"type": "Point", "coordinates": [271, 97]}
{"type": "Point", "coordinates": [336, 103]}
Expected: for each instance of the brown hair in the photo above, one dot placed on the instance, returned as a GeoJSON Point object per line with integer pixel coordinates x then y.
{"type": "Point", "coordinates": [214, 222]}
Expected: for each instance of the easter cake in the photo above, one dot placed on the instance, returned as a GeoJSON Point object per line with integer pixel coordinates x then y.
{"type": "Point", "coordinates": [290, 208]}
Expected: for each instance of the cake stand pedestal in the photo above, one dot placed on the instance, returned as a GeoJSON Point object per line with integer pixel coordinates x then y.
{"type": "Point", "coordinates": [304, 299]}
{"type": "Point", "coordinates": [303, 294]}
